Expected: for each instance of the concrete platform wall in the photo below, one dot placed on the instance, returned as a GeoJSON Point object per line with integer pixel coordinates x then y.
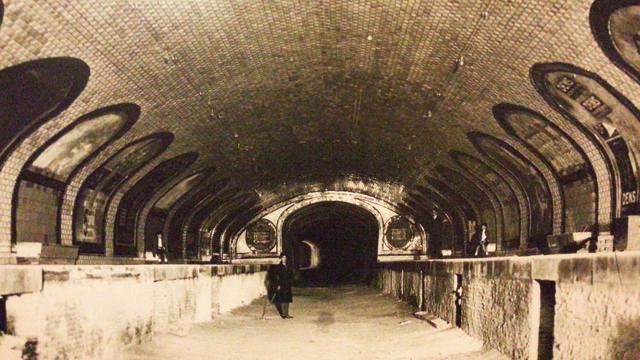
{"type": "Point", "coordinates": [92, 312]}
{"type": "Point", "coordinates": [597, 309]}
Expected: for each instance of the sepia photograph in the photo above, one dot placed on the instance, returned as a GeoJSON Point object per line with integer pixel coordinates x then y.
{"type": "Point", "coordinates": [320, 179]}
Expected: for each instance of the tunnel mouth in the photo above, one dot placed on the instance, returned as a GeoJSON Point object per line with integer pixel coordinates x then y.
{"type": "Point", "coordinates": [331, 243]}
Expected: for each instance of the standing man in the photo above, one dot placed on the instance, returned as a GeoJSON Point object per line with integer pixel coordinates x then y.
{"type": "Point", "coordinates": [283, 283]}
{"type": "Point", "coordinates": [435, 235]}
{"type": "Point", "coordinates": [160, 250]}
{"type": "Point", "coordinates": [479, 241]}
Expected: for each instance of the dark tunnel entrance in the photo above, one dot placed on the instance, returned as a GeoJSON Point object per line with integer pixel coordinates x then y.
{"type": "Point", "coordinates": [331, 243]}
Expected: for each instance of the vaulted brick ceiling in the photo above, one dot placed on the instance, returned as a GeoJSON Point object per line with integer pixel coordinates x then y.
{"type": "Point", "coordinates": [292, 92]}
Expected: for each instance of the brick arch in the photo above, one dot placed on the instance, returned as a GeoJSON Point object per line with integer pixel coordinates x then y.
{"type": "Point", "coordinates": [127, 113]}
{"type": "Point", "coordinates": [321, 198]}
{"type": "Point", "coordinates": [237, 223]}
{"type": "Point", "coordinates": [382, 210]}
{"type": "Point", "coordinates": [226, 217]}
{"type": "Point", "coordinates": [567, 159]}
{"type": "Point", "coordinates": [107, 180]}
{"type": "Point", "coordinates": [549, 176]}
{"type": "Point", "coordinates": [601, 166]}
{"type": "Point", "coordinates": [507, 193]}
{"type": "Point", "coordinates": [529, 179]}
{"type": "Point", "coordinates": [34, 92]}
{"type": "Point", "coordinates": [451, 209]}
{"type": "Point", "coordinates": [488, 205]}
{"type": "Point", "coordinates": [214, 216]}
{"type": "Point", "coordinates": [420, 196]}
{"type": "Point", "coordinates": [608, 119]}
{"type": "Point", "coordinates": [166, 203]}
{"type": "Point", "coordinates": [135, 199]}
{"type": "Point", "coordinates": [199, 216]}
{"type": "Point", "coordinates": [179, 211]}
{"type": "Point", "coordinates": [26, 120]}
{"type": "Point", "coordinates": [469, 207]}
{"type": "Point", "coordinates": [605, 18]}
{"type": "Point", "coordinates": [195, 217]}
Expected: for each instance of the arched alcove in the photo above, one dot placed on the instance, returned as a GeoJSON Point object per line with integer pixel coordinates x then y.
{"type": "Point", "coordinates": [490, 210]}
{"type": "Point", "coordinates": [451, 223]}
{"type": "Point", "coordinates": [529, 177]}
{"type": "Point", "coordinates": [213, 216]}
{"type": "Point", "coordinates": [564, 156]}
{"type": "Point", "coordinates": [160, 212]}
{"type": "Point", "coordinates": [39, 190]}
{"type": "Point", "coordinates": [196, 223]}
{"type": "Point", "coordinates": [135, 199]}
{"type": "Point", "coordinates": [95, 193]}
{"type": "Point", "coordinates": [608, 119]}
{"type": "Point", "coordinates": [506, 195]}
{"type": "Point", "coordinates": [174, 227]}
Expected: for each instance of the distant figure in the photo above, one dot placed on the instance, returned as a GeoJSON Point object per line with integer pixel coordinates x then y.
{"type": "Point", "coordinates": [479, 241]}
{"type": "Point", "coordinates": [282, 282]}
{"type": "Point", "coordinates": [160, 250]}
{"type": "Point", "coordinates": [216, 259]}
{"type": "Point", "coordinates": [436, 226]}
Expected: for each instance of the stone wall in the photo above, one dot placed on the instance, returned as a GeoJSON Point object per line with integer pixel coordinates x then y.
{"type": "Point", "coordinates": [596, 300]}
{"type": "Point", "coordinates": [92, 312]}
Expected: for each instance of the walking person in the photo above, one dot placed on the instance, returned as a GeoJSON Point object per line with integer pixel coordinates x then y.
{"type": "Point", "coordinates": [282, 282]}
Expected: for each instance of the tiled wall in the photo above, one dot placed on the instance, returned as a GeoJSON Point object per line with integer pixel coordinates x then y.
{"type": "Point", "coordinates": [37, 213]}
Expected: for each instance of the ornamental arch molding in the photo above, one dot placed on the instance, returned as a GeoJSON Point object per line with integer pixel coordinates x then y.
{"type": "Point", "coordinates": [381, 211]}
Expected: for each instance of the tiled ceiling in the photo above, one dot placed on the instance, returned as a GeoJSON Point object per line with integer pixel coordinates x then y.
{"type": "Point", "coordinates": [273, 92]}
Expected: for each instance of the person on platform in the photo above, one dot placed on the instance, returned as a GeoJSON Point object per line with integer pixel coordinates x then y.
{"type": "Point", "coordinates": [282, 282]}
{"type": "Point", "coordinates": [435, 229]}
{"type": "Point", "coordinates": [479, 241]}
{"type": "Point", "coordinates": [160, 250]}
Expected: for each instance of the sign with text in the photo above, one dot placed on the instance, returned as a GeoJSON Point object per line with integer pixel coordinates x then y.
{"type": "Point", "coordinates": [261, 236]}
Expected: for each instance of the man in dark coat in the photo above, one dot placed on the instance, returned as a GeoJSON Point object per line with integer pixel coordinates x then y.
{"type": "Point", "coordinates": [282, 282]}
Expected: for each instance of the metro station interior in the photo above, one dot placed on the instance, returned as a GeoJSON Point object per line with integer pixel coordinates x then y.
{"type": "Point", "coordinates": [476, 160]}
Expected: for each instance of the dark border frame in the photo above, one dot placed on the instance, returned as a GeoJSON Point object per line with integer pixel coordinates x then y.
{"type": "Point", "coordinates": [599, 14]}
{"type": "Point", "coordinates": [132, 114]}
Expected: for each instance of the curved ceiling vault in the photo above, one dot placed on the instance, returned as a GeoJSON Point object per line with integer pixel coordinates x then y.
{"type": "Point", "coordinates": [285, 98]}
